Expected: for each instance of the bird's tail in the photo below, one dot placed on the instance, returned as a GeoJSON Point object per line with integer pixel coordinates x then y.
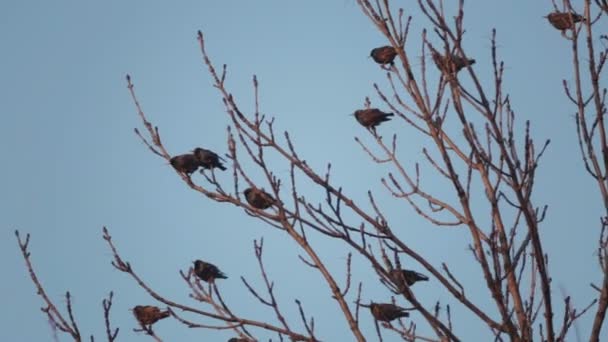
{"type": "Point", "coordinates": [221, 167]}
{"type": "Point", "coordinates": [422, 277]}
{"type": "Point", "coordinates": [403, 314]}
{"type": "Point", "coordinates": [222, 276]}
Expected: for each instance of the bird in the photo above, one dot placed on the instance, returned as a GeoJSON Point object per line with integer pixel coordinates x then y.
{"type": "Point", "coordinates": [185, 163]}
{"type": "Point", "coordinates": [387, 312]}
{"type": "Point", "coordinates": [147, 315]}
{"type": "Point", "coordinates": [561, 20]}
{"type": "Point", "coordinates": [207, 272]}
{"type": "Point", "coordinates": [208, 159]}
{"type": "Point", "coordinates": [384, 54]}
{"type": "Point", "coordinates": [372, 117]}
{"type": "Point", "coordinates": [259, 199]}
{"type": "Point", "coordinates": [452, 64]}
{"type": "Point", "coordinates": [401, 277]}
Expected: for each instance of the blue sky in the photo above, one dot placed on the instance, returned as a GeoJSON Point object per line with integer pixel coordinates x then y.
{"type": "Point", "coordinates": [73, 163]}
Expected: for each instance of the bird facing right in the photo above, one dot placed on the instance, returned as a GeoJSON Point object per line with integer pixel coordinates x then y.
{"type": "Point", "coordinates": [387, 312]}
{"type": "Point", "coordinates": [207, 271]}
{"type": "Point", "coordinates": [450, 64]}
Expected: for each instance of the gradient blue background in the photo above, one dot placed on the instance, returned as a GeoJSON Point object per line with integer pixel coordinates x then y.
{"type": "Point", "coordinates": [72, 163]}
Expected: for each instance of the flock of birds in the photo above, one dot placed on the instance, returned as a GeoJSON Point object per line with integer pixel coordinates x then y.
{"type": "Point", "coordinates": [369, 118]}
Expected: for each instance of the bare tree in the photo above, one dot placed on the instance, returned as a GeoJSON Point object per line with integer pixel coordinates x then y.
{"type": "Point", "coordinates": [478, 148]}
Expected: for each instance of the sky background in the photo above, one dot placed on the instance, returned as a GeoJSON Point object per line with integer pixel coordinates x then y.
{"type": "Point", "coordinates": [73, 164]}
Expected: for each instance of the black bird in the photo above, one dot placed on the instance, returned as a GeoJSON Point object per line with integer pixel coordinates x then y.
{"type": "Point", "coordinates": [207, 272]}
{"type": "Point", "coordinates": [450, 64]}
{"type": "Point", "coordinates": [372, 117]}
{"type": "Point", "coordinates": [561, 20]}
{"type": "Point", "coordinates": [208, 159]}
{"type": "Point", "coordinates": [259, 199]}
{"type": "Point", "coordinates": [384, 54]}
{"type": "Point", "coordinates": [401, 277]}
{"type": "Point", "coordinates": [147, 315]}
{"type": "Point", "coordinates": [186, 163]}
{"type": "Point", "coordinates": [387, 312]}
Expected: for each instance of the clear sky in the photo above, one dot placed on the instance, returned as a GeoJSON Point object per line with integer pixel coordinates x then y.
{"type": "Point", "coordinates": [72, 163]}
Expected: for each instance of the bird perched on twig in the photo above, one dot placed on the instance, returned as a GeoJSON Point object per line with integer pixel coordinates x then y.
{"type": "Point", "coordinates": [384, 54]}
{"type": "Point", "coordinates": [450, 64]}
{"type": "Point", "coordinates": [185, 163]}
{"type": "Point", "coordinates": [401, 277]}
{"type": "Point", "coordinates": [208, 159]}
{"type": "Point", "coordinates": [147, 315]}
{"type": "Point", "coordinates": [561, 20]}
{"type": "Point", "coordinates": [207, 272]}
{"type": "Point", "coordinates": [259, 199]}
{"type": "Point", "coordinates": [387, 312]}
{"type": "Point", "coordinates": [372, 117]}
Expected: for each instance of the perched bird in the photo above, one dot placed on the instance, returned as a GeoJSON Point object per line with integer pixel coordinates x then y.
{"type": "Point", "coordinates": [208, 159]}
{"type": "Point", "coordinates": [387, 312]}
{"type": "Point", "coordinates": [384, 54]}
{"type": "Point", "coordinates": [450, 64]}
{"type": "Point", "coordinates": [259, 199]}
{"type": "Point", "coordinates": [401, 277]}
{"type": "Point", "coordinates": [207, 272]}
{"type": "Point", "coordinates": [561, 20]}
{"type": "Point", "coordinates": [147, 315]}
{"type": "Point", "coordinates": [186, 163]}
{"type": "Point", "coordinates": [372, 117]}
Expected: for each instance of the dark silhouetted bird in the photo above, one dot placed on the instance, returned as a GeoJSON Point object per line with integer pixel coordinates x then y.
{"type": "Point", "coordinates": [207, 272]}
{"type": "Point", "coordinates": [147, 315]}
{"type": "Point", "coordinates": [451, 64]}
{"type": "Point", "coordinates": [186, 163]}
{"type": "Point", "coordinates": [387, 312]}
{"type": "Point", "coordinates": [384, 54]}
{"type": "Point", "coordinates": [208, 159]}
{"type": "Point", "coordinates": [561, 20]}
{"type": "Point", "coordinates": [372, 117]}
{"type": "Point", "coordinates": [401, 277]}
{"type": "Point", "coordinates": [259, 199]}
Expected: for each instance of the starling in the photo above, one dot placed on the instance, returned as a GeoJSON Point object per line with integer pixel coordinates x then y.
{"type": "Point", "coordinates": [372, 117]}
{"type": "Point", "coordinates": [207, 272]}
{"type": "Point", "coordinates": [561, 20]}
{"type": "Point", "coordinates": [399, 277]}
{"type": "Point", "coordinates": [208, 159]}
{"type": "Point", "coordinates": [259, 199]}
{"type": "Point", "coordinates": [147, 315]}
{"type": "Point", "coordinates": [387, 312]}
{"type": "Point", "coordinates": [186, 163]}
{"type": "Point", "coordinates": [451, 64]}
{"type": "Point", "coordinates": [384, 54]}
